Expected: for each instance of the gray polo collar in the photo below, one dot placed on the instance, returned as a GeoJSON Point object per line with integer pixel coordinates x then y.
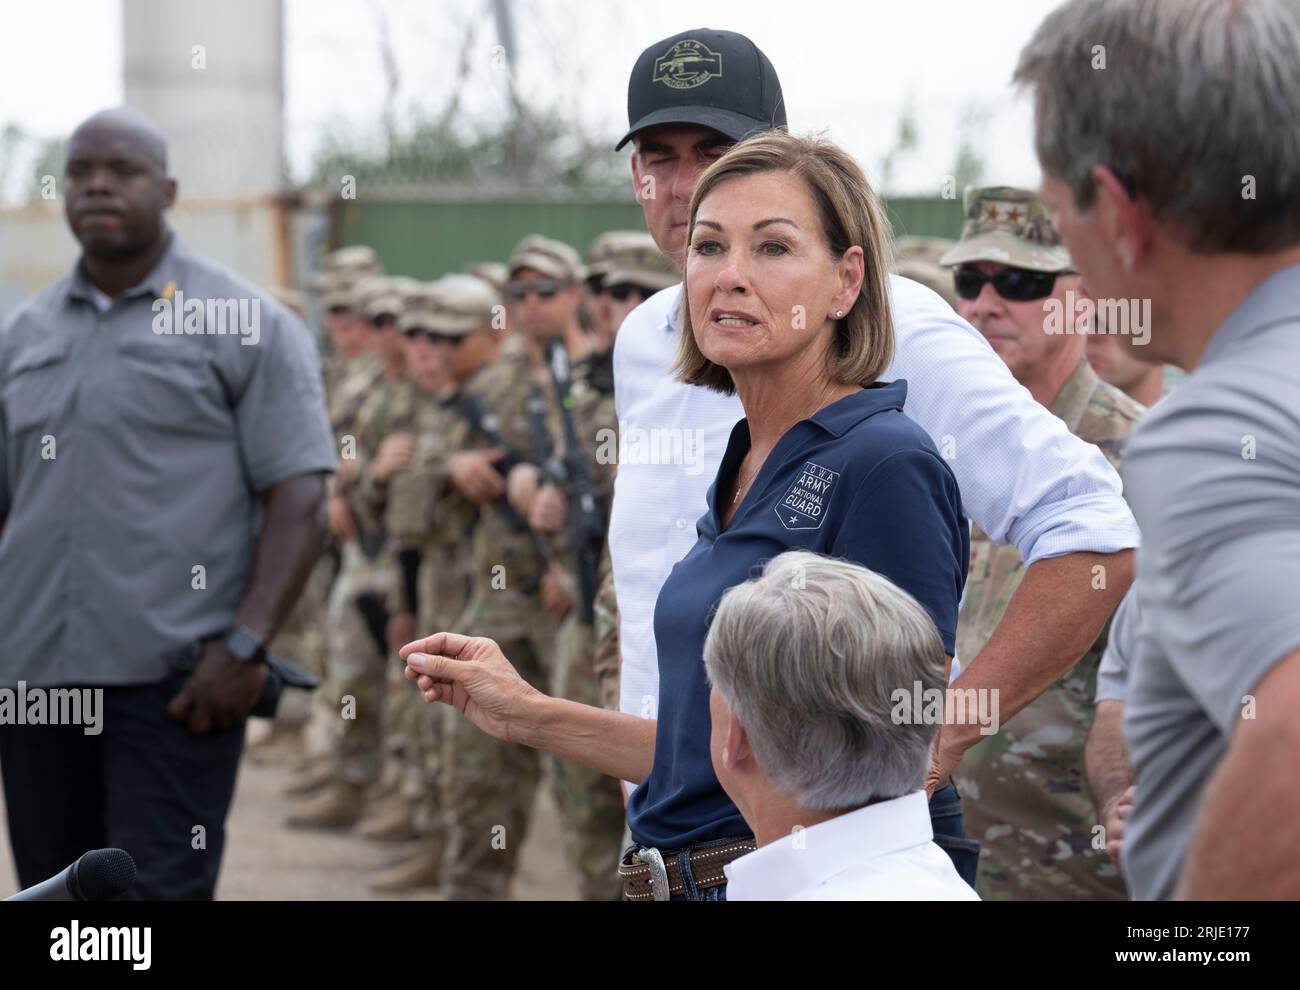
{"type": "Point", "coordinates": [1275, 301]}
{"type": "Point", "coordinates": [165, 272]}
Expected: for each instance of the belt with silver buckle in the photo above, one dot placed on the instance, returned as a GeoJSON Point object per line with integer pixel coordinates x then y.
{"type": "Point", "coordinates": [648, 875]}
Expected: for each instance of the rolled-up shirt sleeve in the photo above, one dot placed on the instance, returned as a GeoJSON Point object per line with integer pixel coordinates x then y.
{"type": "Point", "coordinates": [1024, 477]}
{"type": "Point", "coordinates": [284, 428]}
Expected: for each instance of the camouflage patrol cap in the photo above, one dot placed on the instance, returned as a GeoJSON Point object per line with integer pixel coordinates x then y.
{"type": "Point", "coordinates": [553, 258]}
{"type": "Point", "coordinates": [1010, 226]}
{"type": "Point", "coordinates": [352, 263]}
{"type": "Point", "coordinates": [917, 258]}
{"type": "Point", "coordinates": [637, 259]}
{"type": "Point", "coordinates": [392, 298]}
{"type": "Point", "coordinates": [377, 294]}
{"type": "Point", "coordinates": [492, 272]}
{"type": "Point", "coordinates": [604, 247]}
{"type": "Point", "coordinates": [462, 303]}
{"type": "Point", "coordinates": [418, 305]}
{"type": "Point", "coordinates": [335, 290]}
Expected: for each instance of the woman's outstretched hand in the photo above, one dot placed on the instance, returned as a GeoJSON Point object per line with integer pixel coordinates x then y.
{"type": "Point", "coordinates": [473, 675]}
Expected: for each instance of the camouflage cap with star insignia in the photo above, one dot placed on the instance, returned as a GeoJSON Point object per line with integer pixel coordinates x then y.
{"type": "Point", "coordinates": [1010, 226]}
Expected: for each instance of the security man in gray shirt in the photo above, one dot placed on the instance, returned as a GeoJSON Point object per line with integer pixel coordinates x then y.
{"type": "Point", "coordinates": [164, 450]}
{"type": "Point", "coordinates": [1175, 181]}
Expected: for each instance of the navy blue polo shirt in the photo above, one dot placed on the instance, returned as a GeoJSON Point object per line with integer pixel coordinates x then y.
{"type": "Point", "coordinates": [860, 481]}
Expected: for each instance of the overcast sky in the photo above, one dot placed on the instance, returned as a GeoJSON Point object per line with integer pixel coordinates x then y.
{"type": "Point", "coordinates": [848, 67]}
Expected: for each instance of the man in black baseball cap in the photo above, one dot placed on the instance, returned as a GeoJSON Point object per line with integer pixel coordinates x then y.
{"type": "Point", "coordinates": [690, 97]}
{"type": "Point", "coordinates": [716, 79]}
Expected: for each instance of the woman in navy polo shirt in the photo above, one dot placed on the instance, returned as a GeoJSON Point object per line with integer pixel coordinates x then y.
{"type": "Point", "coordinates": [786, 303]}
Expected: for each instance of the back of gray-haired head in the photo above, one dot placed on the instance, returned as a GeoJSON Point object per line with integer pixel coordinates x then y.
{"type": "Point", "coordinates": [1195, 102]}
{"type": "Point", "coordinates": [809, 657]}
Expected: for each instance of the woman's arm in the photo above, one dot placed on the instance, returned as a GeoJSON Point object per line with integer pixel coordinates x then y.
{"type": "Point", "coordinates": [473, 675]}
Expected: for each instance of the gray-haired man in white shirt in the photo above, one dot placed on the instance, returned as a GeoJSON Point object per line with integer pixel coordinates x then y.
{"type": "Point", "coordinates": [807, 740]}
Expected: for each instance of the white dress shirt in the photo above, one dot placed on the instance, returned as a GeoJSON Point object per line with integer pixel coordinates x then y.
{"type": "Point", "coordinates": [1024, 477]}
{"type": "Point", "coordinates": [883, 852]}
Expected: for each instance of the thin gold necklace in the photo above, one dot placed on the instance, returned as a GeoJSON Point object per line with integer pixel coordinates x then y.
{"type": "Point", "coordinates": [742, 489]}
{"type": "Point", "coordinates": [745, 487]}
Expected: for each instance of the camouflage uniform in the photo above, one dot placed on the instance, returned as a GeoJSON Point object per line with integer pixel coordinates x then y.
{"type": "Point", "coordinates": [590, 803]}
{"type": "Point", "coordinates": [357, 664]}
{"type": "Point", "coordinates": [489, 785]}
{"type": "Point", "coordinates": [1025, 791]}
{"type": "Point", "coordinates": [606, 663]}
{"type": "Point", "coordinates": [432, 527]}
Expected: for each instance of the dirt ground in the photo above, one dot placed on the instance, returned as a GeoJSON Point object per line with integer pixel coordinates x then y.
{"type": "Point", "coordinates": [264, 860]}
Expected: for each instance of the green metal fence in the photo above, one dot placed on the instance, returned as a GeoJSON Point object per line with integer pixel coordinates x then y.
{"type": "Point", "coordinates": [425, 236]}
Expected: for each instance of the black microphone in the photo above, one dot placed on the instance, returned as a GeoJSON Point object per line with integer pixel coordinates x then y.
{"type": "Point", "coordinates": [99, 875]}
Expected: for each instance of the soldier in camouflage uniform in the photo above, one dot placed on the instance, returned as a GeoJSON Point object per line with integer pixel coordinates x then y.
{"type": "Point", "coordinates": [600, 254]}
{"type": "Point", "coordinates": [631, 270]}
{"type": "Point", "coordinates": [364, 589]}
{"type": "Point", "coordinates": [450, 340]}
{"type": "Point", "coordinates": [590, 804]}
{"type": "Point", "coordinates": [302, 637]}
{"type": "Point", "coordinates": [1025, 790]}
{"type": "Point", "coordinates": [519, 587]}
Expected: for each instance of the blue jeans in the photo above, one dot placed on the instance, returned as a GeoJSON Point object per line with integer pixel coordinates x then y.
{"type": "Point", "coordinates": [945, 819]}
{"type": "Point", "coordinates": [950, 832]}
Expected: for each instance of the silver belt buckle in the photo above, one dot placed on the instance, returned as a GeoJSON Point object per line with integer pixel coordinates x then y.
{"type": "Point", "coordinates": [658, 872]}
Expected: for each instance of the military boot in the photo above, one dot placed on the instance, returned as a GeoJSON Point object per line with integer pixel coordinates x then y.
{"type": "Point", "coordinates": [312, 779]}
{"type": "Point", "coordinates": [390, 821]}
{"type": "Point", "coordinates": [339, 805]}
{"type": "Point", "coordinates": [419, 870]}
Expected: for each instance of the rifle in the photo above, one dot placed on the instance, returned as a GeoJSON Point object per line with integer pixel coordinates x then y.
{"type": "Point", "coordinates": [484, 424]}
{"type": "Point", "coordinates": [585, 516]}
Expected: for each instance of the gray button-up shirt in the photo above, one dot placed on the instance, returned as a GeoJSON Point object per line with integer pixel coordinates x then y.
{"type": "Point", "coordinates": [1213, 474]}
{"type": "Point", "coordinates": [130, 462]}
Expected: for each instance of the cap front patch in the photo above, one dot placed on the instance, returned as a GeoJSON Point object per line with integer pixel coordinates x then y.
{"type": "Point", "coordinates": [687, 64]}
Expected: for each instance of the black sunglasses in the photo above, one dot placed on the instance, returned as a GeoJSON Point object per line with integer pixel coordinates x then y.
{"type": "Point", "coordinates": [339, 310]}
{"type": "Point", "coordinates": [383, 321]}
{"type": "Point", "coordinates": [1012, 284]}
{"type": "Point", "coordinates": [595, 284]}
{"type": "Point", "coordinates": [621, 291]}
{"type": "Point", "coordinates": [546, 288]}
{"type": "Point", "coordinates": [433, 337]}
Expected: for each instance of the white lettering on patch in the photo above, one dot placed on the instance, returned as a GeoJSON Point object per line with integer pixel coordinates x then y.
{"type": "Point", "coordinates": [803, 506]}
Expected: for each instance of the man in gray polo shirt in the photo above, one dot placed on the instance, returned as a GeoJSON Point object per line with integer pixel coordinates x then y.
{"type": "Point", "coordinates": [1175, 182]}
{"type": "Point", "coordinates": [164, 449]}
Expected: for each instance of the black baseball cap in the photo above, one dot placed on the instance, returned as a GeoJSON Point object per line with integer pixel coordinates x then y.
{"type": "Point", "coordinates": [716, 79]}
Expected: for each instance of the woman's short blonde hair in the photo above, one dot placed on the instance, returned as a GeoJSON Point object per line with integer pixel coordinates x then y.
{"type": "Point", "coordinates": [851, 215]}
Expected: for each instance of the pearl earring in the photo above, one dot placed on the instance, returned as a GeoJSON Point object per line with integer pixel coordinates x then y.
{"type": "Point", "coordinates": [839, 313]}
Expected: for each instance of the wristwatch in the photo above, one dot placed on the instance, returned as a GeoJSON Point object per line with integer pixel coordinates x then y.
{"type": "Point", "coordinates": [244, 644]}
